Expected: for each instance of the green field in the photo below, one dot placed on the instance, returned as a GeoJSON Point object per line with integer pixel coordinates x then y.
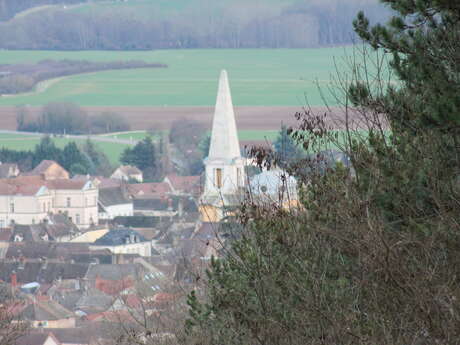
{"type": "Point", "coordinates": [23, 143]}
{"type": "Point", "coordinates": [259, 77]}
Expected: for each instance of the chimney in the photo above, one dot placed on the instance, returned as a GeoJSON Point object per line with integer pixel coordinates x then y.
{"type": "Point", "coordinates": [14, 279]}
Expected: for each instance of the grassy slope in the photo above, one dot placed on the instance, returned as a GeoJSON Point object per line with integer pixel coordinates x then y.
{"type": "Point", "coordinates": [258, 77]}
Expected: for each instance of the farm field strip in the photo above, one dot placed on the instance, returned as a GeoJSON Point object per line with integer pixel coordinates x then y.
{"type": "Point", "coordinates": [258, 77]}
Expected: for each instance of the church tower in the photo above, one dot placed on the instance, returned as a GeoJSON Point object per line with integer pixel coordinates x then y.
{"type": "Point", "coordinates": [225, 176]}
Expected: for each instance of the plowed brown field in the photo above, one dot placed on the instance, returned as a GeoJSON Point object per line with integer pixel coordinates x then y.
{"type": "Point", "coordinates": [144, 118]}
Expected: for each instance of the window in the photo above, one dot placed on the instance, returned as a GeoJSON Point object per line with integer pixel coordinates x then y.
{"type": "Point", "coordinates": [49, 206]}
{"type": "Point", "coordinates": [33, 220]}
{"type": "Point", "coordinates": [86, 201]}
{"type": "Point", "coordinates": [77, 218]}
{"type": "Point", "coordinates": [44, 207]}
{"type": "Point", "coordinates": [2, 223]}
{"type": "Point", "coordinates": [218, 178]}
{"type": "Point", "coordinates": [95, 201]}
{"type": "Point", "coordinates": [12, 207]}
{"type": "Point", "coordinates": [68, 202]}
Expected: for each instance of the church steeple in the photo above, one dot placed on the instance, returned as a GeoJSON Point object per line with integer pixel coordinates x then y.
{"type": "Point", "coordinates": [224, 139]}
{"type": "Point", "coordinates": [224, 165]}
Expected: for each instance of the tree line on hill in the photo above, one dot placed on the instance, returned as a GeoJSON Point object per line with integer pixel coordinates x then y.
{"type": "Point", "coordinates": [20, 78]}
{"type": "Point", "coordinates": [69, 118]}
{"type": "Point", "coordinates": [206, 24]}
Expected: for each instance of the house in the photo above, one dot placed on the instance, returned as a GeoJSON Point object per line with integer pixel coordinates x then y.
{"type": "Point", "coordinates": [50, 250]}
{"type": "Point", "coordinates": [74, 336]}
{"type": "Point", "coordinates": [28, 233]}
{"type": "Point", "coordinates": [225, 168]}
{"type": "Point", "coordinates": [124, 241]}
{"type": "Point", "coordinates": [24, 201]}
{"type": "Point", "coordinates": [38, 338]}
{"type": "Point", "coordinates": [57, 228]}
{"type": "Point", "coordinates": [113, 203]}
{"type": "Point", "coordinates": [113, 279]}
{"type": "Point", "coordinates": [9, 170]}
{"type": "Point", "coordinates": [76, 198]}
{"type": "Point", "coordinates": [32, 199]}
{"type": "Point", "coordinates": [128, 173]}
{"type": "Point", "coordinates": [93, 301]}
{"type": "Point", "coordinates": [60, 228]}
{"type": "Point", "coordinates": [45, 313]}
{"type": "Point", "coordinates": [184, 185]}
{"type": "Point", "coordinates": [44, 273]}
{"type": "Point", "coordinates": [48, 170]}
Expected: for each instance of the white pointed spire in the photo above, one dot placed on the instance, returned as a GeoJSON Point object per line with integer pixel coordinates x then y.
{"type": "Point", "coordinates": [224, 137]}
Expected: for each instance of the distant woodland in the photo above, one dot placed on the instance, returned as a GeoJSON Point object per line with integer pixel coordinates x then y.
{"type": "Point", "coordinates": [200, 24]}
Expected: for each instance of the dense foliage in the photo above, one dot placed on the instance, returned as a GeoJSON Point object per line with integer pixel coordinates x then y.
{"type": "Point", "coordinates": [191, 146]}
{"type": "Point", "coordinates": [372, 255]}
{"type": "Point", "coordinates": [84, 160]}
{"type": "Point", "coordinates": [142, 155]}
{"type": "Point", "coordinates": [286, 148]}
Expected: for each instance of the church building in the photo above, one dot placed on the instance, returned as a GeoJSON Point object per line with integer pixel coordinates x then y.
{"type": "Point", "coordinates": [225, 175]}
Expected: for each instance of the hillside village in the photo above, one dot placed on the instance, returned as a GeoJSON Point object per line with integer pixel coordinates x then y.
{"type": "Point", "coordinates": [82, 253]}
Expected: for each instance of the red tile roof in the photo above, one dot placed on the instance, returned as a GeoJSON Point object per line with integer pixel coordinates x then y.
{"type": "Point", "coordinates": [42, 168]}
{"type": "Point", "coordinates": [149, 189]}
{"type": "Point", "coordinates": [184, 184]}
{"type": "Point", "coordinates": [23, 185]}
{"type": "Point", "coordinates": [5, 235]}
{"type": "Point", "coordinates": [66, 184]}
